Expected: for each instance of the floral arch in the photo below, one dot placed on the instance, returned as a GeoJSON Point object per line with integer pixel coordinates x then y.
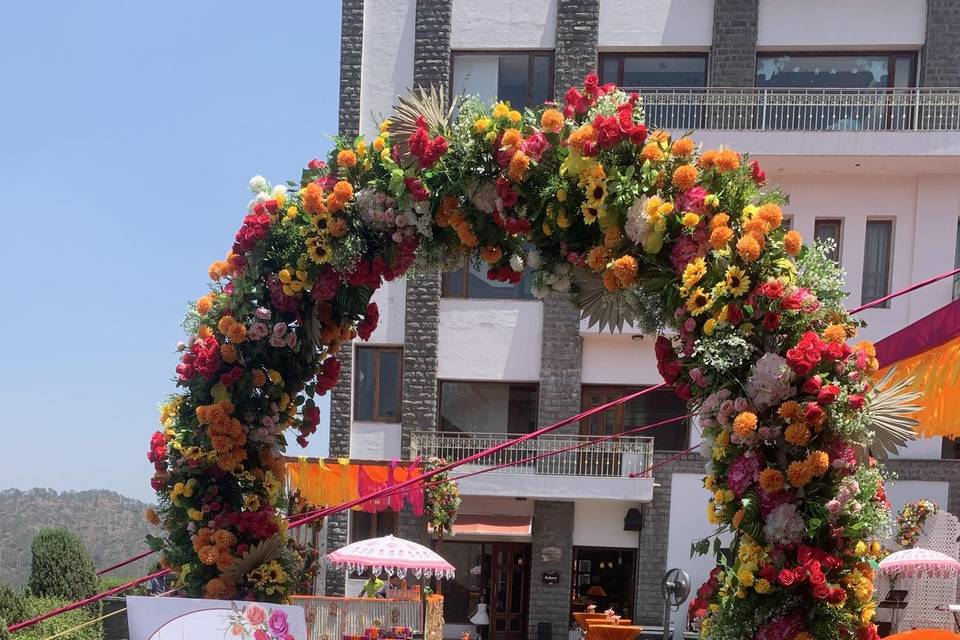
{"type": "Point", "coordinates": [637, 227]}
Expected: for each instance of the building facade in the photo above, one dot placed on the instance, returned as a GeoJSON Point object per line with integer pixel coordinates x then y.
{"type": "Point", "coordinates": [852, 107]}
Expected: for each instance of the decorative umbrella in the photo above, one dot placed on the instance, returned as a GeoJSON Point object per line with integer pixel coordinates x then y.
{"type": "Point", "coordinates": [393, 556]}
{"type": "Point", "coordinates": [919, 562]}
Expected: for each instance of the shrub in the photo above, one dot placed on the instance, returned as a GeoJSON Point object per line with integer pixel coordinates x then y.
{"type": "Point", "coordinates": [14, 606]}
{"type": "Point", "coordinates": [60, 623]}
{"type": "Point", "coordinates": [61, 566]}
{"type": "Point", "coordinates": [110, 582]}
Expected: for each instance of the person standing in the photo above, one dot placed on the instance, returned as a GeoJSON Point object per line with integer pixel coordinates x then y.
{"type": "Point", "coordinates": [481, 619]}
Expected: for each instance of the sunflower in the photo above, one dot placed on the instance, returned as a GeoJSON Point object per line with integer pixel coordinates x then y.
{"type": "Point", "coordinates": [320, 221]}
{"type": "Point", "coordinates": [317, 249]}
{"type": "Point", "coordinates": [698, 302]}
{"type": "Point", "coordinates": [693, 273]}
{"type": "Point", "coordinates": [738, 283]}
{"type": "Point", "coordinates": [590, 212]}
{"type": "Point", "coordinates": [596, 191]}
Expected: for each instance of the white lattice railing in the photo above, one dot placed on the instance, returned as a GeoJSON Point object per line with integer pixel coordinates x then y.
{"type": "Point", "coordinates": [752, 109]}
{"type": "Point", "coordinates": [332, 618]}
{"type": "Point", "coordinates": [610, 458]}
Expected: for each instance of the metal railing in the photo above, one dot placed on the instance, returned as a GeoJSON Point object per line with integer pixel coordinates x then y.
{"type": "Point", "coordinates": [608, 459]}
{"type": "Point", "coordinates": [753, 109]}
{"type": "Point", "coordinates": [332, 618]}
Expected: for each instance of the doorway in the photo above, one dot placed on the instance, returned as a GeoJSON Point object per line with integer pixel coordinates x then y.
{"type": "Point", "coordinates": [509, 586]}
{"type": "Point", "coordinates": [604, 577]}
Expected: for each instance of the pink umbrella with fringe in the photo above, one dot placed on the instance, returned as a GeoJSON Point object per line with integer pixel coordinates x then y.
{"type": "Point", "coordinates": [912, 563]}
{"type": "Point", "coordinates": [390, 555]}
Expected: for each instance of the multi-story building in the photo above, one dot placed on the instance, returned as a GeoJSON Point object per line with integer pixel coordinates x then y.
{"type": "Point", "coordinates": [851, 106]}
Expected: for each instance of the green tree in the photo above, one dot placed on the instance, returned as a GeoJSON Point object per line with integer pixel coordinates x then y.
{"type": "Point", "coordinates": [61, 566]}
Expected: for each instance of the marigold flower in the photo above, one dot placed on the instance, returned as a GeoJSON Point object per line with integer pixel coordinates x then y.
{"type": "Point", "coordinates": [682, 147]}
{"type": "Point", "coordinates": [727, 160]}
{"type": "Point", "coordinates": [625, 270]}
{"type": "Point", "coordinates": [818, 462]}
{"type": "Point", "coordinates": [552, 120]}
{"type": "Point", "coordinates": [652, 152]}
{"type": "Point", "coordinates": [514, 116]}
{"type": "Point", "coordinates": [792, 242]}
{"type": "Point", "coordinates": [481, 125]}
{"type": "Point", "coordinates": [204, 332]}
{"type": "Point", "coordinates": [597, 258]}
{"type": "Point", "coordinates": [612, 238]}
{"type": "Point", "coordinates": [583, 133]}
{"type": "Point", "coordinates": [797, 434]}
{"type": "Point", "coordinates": [719, 220]}
{"type": "Point", "coordinates": [258, 378]}
{"type": "Point", "coordinates": [610, 281]}
{"type": "Point", "coordinates": [343, 190]}
{"type": "Point", "coordinates": [748, 248]}
{"type": "Point", "coordinates": [217, 269]}
{"type": "Point", "coordinates": [798, 474]}
{"type": "Point", "coordinates": [204, 304]}
{"type": "Point", "coordinates": [219, 589]}
{"type": "Point", "coordinates": [346, 158]}
{"type": "Point", "coordinates": [790, 410]}
{"type": "Point", "coordinates": [720, 236]}
{"type": "Point", "coordinates": [771, 480]}
{"type": "Point", "coordinates": [491, 255]}
{"type": "Point", "coordinates": [745, 423]}
{"type": "Point", "coordinates": [519, 164]}
{"type": "Point", "coordinates": [835, 333]}
{"type": "Point", "coordinates": [313, 200]}
{"type": "Point", "coordinates": [756, 227]}
{"type": "Point", "coordinates": [684, 176]}
{"type": "Point", "coordinates": [338, 227]}
{"type": "Point", "coordinates": [708, 158]}
{"type": "Point", "coordinates": [511, 138]}
{"type": "Point", "coordinates": [228, 353]}
{"type": "Point", "coordinates": [771, 214]}
{"type": "Point", "coordinates": [152, 517]}
{"type": "Point", "coordinates": [690, 220]}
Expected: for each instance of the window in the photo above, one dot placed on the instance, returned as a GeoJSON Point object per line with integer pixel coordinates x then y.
{"type": "Point", "coordinates": [652, 71]}
{"type": "Point", "coordinates": [488, 407]}
{"type": "Point", "coordinates": [364, 526]}
{"type": "Point", "coordinates": [604, 577]}
{"type": "Point", "coordinates": [836, 71]}
{"type": "Point", "coordinates": [829, 229]}
{"type": "Point", "coordinates": [649, 408]}
{"type": "Point", "coordinates": [787, 223]}
{"type": "Point", "coordinates": [377, 384]}
{"type": "Point", "coordinates": [522, 78]}
{"type": "Point", "coordinates": [877, 251]}
{"type": "Point", "coordinates": [470, 281]}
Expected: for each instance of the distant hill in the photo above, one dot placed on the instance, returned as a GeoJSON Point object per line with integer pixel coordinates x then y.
{"type": "Point", "coordinates": [110, 525]}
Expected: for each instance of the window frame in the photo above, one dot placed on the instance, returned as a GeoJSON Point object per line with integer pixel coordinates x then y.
{"type": "Point", "coordinates": [891, 55]}
{"type": "Point", "coordinates": [530, 53]}
{"type": "Point", "coordinates": [535, 386]}
{"type": "Point", "coordinates": [840, 230]}
{"type": "Point", "coordinates": [619, 411]}
{"type": "Point", "coordinates": [465, 282]}
{"type": "Point", "coordinates": [890, 257]}
{"type": "Point", "coordinates": [621, 56]}
{"type": "Point", "coordinates": [375, 416]}
{"type": "Point", "coordinates": [375, 525]}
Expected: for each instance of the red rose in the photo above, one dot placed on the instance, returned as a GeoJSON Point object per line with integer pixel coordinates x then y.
{"type": "Point", "coordinates": [591, 84]}
{"type": "Point", "coordinates": [757, 174]}
{"type": "Point", "coordinates": [684, 392]}
{"type": "Point", "coordinates": [572, 96]}
{"type": "Point", "coordinates": [771, 321]}
{"type": "Point", "coordinates": [590, 148]}
{"type": "Point", "coordinates": [768, 572]}
{"type": "Point", "coordinates": [608, 131]}
{"type": "Point", "coordinates": [828, 395]}
{"type": "Point", "coordinates": [812, 385]}
{"type": "Point", "coordinates": [800, 574]}
{"type": "Point", "coordinates": [819, 591]}
{"type": "Point", "coordinates": [772, 289]}
{"type": "Point", "coordinates": [868, 633]}
{"type": "Point", "coordinates": [818, 578]}
{"type": "Point", "coordinates": [663, 348]}
{"type": "Point", "coordinates": [734, 314]}
{"type": "Point", "coordinates": [786, 577]}
{"type": "Point", "coordinates": [797, 361]}
{"type": "Point", "coordinates": [638, 134]}
{"type": "Point", "coordinates": [856, 402]}
{"type": "Point", "coordinates": [837, 596]}
{"type": "Point", "coordinates": [316, 164]}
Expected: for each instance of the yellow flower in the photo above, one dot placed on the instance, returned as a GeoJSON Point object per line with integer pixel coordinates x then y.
{"type": "Point", "coordinates": [275, 376]}
{"type": "Point", "coordinates": [379, 143]}
{"type": "Point", "coordinates": [501, 110]}
{"type": "Point", "coordinates": [868, 612]}
{"type": "Point", "coordinates": [195, 514]}
{"type": "Point", "coordinates": [709, 326]}
{"type": "Point", "coordinates": [712, 200]}
{"type": "Point", "coordinates": [514, 116]}
{"type": "Point", "coordinates": [861, 548]}
{"type": "Point", "coordinates": [709, 483]}
{"type": "Point", "coordinates": [561, 195]}
{"type": "Point", "coordinates": [737, 281]}
{"type": "Point", "coordinates": [317, 249]}
{"type": "Point", "coordinates": [385, 126]}
{"type": "Point", "coordinates": [762, 586]}
{"type": "Point", "coordinates": [596, 191]}
{"type": "Point", "coordinates": [712, 514]}
{"type": "Point", "coordinates": [690, 220]}
{"type": "Point", "coordinates": [563, 221]}
{"type": "Point", "coordinates": [694, 272]}
{"type": "Point", "coordinates": [745, 577]}
{"type": "Point", "coordinates": [589, 212]}
{"type": "Point", "coordinates": [698, 302]}
{"type": "Point", "coordinates": [481, 125]}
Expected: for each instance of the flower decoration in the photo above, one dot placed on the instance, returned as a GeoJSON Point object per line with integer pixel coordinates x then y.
{"type": "Point", "coordinates": [911, 519]}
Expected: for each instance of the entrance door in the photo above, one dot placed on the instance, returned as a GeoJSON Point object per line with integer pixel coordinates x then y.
{"type": "Point", "coordinates": [510, 579]}
{"type": "Point", "coordinates": [591, 459]}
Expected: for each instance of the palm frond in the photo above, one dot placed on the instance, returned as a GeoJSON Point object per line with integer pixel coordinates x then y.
{"type": "Point", "coordinates": [427, 102]}
{"type": "Point", "coordinates": [263, 551]}
{"type": "Point", "coordinates": [600, 307]}
{"type": "Point", "coordinates": [889, 409]}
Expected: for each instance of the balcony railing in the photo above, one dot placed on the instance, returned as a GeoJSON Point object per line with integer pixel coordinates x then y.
{"type": "Point", "coordinates": [608, 459]}
{"type": "Point", "coordinates": [752, 109]}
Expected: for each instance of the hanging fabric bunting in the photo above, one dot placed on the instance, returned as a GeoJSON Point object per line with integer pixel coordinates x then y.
{"type": "Point", "coordinates": [928, 351]}
{"type": "Point", "coordinates": [325, 483]}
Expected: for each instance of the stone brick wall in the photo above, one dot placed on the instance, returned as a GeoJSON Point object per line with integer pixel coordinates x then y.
{"type": "Point", "coordinates": [931, 471]}
{"type": "Point", "coordinates": [431, 52]}
{"type": "Point", "coordinates": [420, 334]}
{"type": "Point", "coordinates": [351, 51]}
{"type": "Point", "coordinates": [560, 363]}
{"type": "Point", "coordinates": [940, 57]}
{"type": "Point", "coordinates": [733, 54]}
{"type": "Point", "coordinates": [652, 560]}
{"type": "Point", "coordinates": [341, 404]}
{"type": "Point", "coordinates": [578, 28]}
{"type": "Point", "coordinates": [336, 526]}
{"type": "Point", "coordinates": [552, 527]}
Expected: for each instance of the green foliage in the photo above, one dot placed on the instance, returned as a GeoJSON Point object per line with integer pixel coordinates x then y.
{"type": "Point", "coordinates": [60, 623]}
{"type": "Point", "coordinates": [111, 582]}
{"type": "Point", "coordinates": [14, 606]}
{"type": "Point", "coordinates": [61, 566]}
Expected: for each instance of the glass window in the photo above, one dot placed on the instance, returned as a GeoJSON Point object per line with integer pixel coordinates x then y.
{"type": "Point", "coordinates": [364, 526]}
{"type": "Point", "coordinates": [521, 78]}
{"type": "Point", "coordinates": [649, 408]}
{"type": "Point", "coordinates": [829, 229]}
{"type": "Point", "coordinates": [487, 407]}
{"type": "Point", "coordinates": [834, 71]}
{"type": "Point", "coordinates": [653, 71]}
{"type": "Point", "coordinates": [470, 281]}
{"type": "Point", "coordinates": [378, 384]}
{"type": "Point", "coordinates": [787, 223]}
{"type": "Point", "coordinates": [877, 250]}
{"type": "Point", "coordinates": [604, 577]}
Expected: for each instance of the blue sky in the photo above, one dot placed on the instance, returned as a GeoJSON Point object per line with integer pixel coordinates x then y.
{"type": "Point", "coordinates": [128, 132]}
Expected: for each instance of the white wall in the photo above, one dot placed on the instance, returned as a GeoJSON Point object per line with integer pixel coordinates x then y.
{"type": "Point", "coordinates": [600, 524]}
{"type": "Point", "coordinates": [375, 441]}
{"type": "Point", "coordinates": [618, 359]}
{"type": "Point", "coordinates": [636, 24]}
{"type": "Point", "coordinates": [391, 299]}
{"type": "Point", "coordinates": [850, 24]}
{"type": "Point", "coordinates": [903, 491]}
{"type": "Point", "coordinates": [503, 24]}
{"type": "Point", "coordinates": [387, 62]}
{"type": "Point", "coordinates": [495, 340]}
{"type": "Point", "coordinates": [688, 523]}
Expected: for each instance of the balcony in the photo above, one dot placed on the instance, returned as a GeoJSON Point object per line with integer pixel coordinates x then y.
{"type": "Point", "coordinates": [753, 109]}
{"type": "Point", "coordinates": [599, 470]}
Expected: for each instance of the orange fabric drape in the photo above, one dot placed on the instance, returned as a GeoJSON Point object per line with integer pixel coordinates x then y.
{"type": "Point", "coordinates": [324, 484]}
{"type": "Point", "coordinates": [936, 373]}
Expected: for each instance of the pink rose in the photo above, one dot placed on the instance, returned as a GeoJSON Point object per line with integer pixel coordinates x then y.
{"type": "Point", "coordinates": [255, 614]}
